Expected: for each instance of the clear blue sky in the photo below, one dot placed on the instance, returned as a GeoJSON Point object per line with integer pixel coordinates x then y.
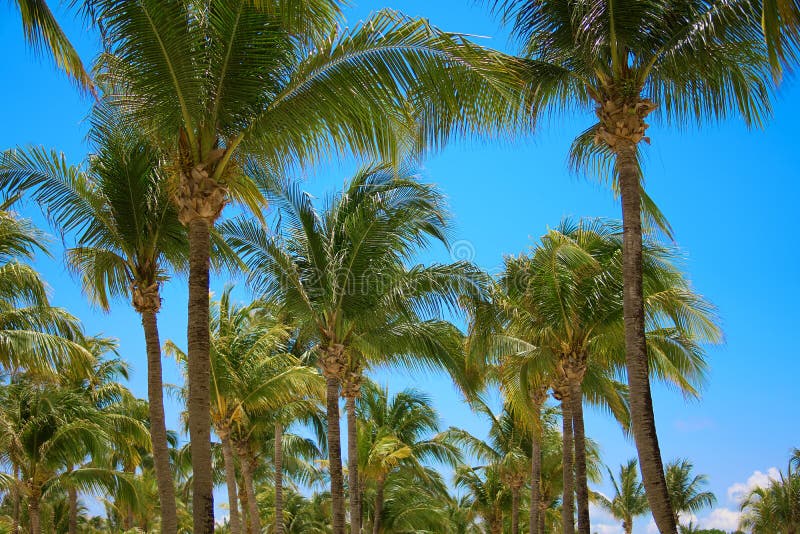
{"type": "Point", "coordinates": [729, 193]}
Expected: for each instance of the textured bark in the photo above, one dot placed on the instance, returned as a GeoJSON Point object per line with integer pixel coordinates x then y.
{"type": "Point", "coordinates": [568, 503]}
{"type": "Point", "coordinates": [335, 455]}
{"type": "Point", "coordinates": [627, 526]}
{"type": "Point", "coordinates": [622, 127]}
{"type": "Point", "coordinates": [243, 507]}
{"type": "Point", "coordinates": [72, 498]}
{"type": "Point", "coordinates": [235, 521]}
{"type": "Point", "coordinates": [17, 501]}
{"type": "Point", "coordinates": [278, 478]}
{"type": "Point", "coordinates": [579, 436]}
{"type": "Point", "coordinates": [352, 465]}
{"type": "Point", "coordinates": [515, 509]}
{"type": "Point", "coordinates": [246, 461]}
{"type": "Point", "coordinates": [641, 401]}
{"type": "Point", "coordinates": [33, 510]}
{"type": "Point", "coordinates": [536, 476]}
{"type": "Point", "coordinates": [199, 377]}
{"type": "Point", "coordinates": [158, 428]}
{"type": "Point", "coordinates": [380, 484]}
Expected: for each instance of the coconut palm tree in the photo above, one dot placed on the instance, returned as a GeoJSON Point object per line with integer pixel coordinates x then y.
{"type": "Point", "coordinates": [776, 507]}
{"type": "Point", "coordinates": [126, 237]}
{"type": "Point", "coordinates": [396, 433]}
{"type": "Point", "coordinates": [685, 491]}
{"type": "Point", "coordinates": [342, 274]}
{"type": "Point", "coordinates": [694, 60]}
{"type": "Point", "coordinates": [47, 430]}
{"type": "Point", "coordinates": [219, 83]}
{"type": "Point", "coordinates": [42, 31]}
{"type": "Point", "coordinates": [565, 315]}
{"type": "Point", "coordinates": [34, 335]}
{"type": "Point", "coordinates": [629, 500]}
{"type": "Point", "coordinates": [252, 376]}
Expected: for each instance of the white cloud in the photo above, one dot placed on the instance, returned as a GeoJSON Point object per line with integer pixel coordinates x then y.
{"type": "Point", "coordinates": [721, 518]}
{"type": "Point", "coordinates": [652, 528]}
{"type": "Point", "coordinates": [739, 490]}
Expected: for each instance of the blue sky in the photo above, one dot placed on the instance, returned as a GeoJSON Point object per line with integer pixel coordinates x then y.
{"type": "Point", "coordinates": [729, 193]}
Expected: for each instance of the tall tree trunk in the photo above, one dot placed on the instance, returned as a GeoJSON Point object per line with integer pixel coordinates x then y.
{"type": "Point", "coordinates": [230, 480]}
{"type": "Point", "coordinates": [627, 526]}
{"type": "Point", "coordinates": [352, 464]}
{"type": "Point", "coordinates": [568, 502]}
{"type": "Point", "coordinates": [536, 472]}
{"type": "Point", "coordinates": [515, 509]}
{"type": "Point", "coordinates": [33, 510]}
{"type": "Point", "coordinates": [17, 500]}
{"type": "Point", "coordinates": [249, 487]}
{"type": "Point", "coordinates": [380, 484]}
{"type": "Point", "coordinates": [335, 455]}
{"type": "Point", "coordinates": [641, 401]}
{"type": "Point", "coordinates": [199, 377]}
{"type": "Point", "coordinates": [581, 482]}
{"type": "Point", "coordinates": [244, 507]}
{"type": "Point", "coordinates": [278, 478]}
{"type": "Point", "coordinates": [72, 498]}
{"type": "Point", "coordinates": [158, 428]}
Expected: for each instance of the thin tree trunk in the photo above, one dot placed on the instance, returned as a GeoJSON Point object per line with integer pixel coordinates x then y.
{"type": "Point", "coordinates": [278, 478]}
{"type": "Point", "coordinates": [641, 401]}
{"type": "Point", "coordinates": [335, 455]}
{"type": "Point", "coordinates": [581, 482]}
{"type": "Point", "coordinates": [536, 475]}
{"type": "Point", "coordinates": [230, 480]}
{"type": "Point", "coordinates": [72, 497]}
{"type": "Point", "coordinates": [380, 484]}
{"type": "Point", "coordinates": [627, 526]}
{"type": "Point", "coordinates": [515, 509]}
{"type": "Point", "coordinates": [352, 465]}
{"type": "Point", "coordinates": [244, 507]}
{"type": "Point", "coordinates": [17, 501]}
{"type": "Point", "coordinates": [568, 502]}
{"type": "Point", "coordinates": [158, 428]}
{"type": "Point", "coordinates": [199, 377]}
{"type": "Point", "coordinates": [33, 511]}
{"type": "Point", "coordinates": [250, 490]}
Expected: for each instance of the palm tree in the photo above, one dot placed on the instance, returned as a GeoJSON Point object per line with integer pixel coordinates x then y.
{"type": "Point", "coordinates": [42, 31]}
{"type": "Point", "coordinates": [341, 273]}
{"type": "Point", "coordinates": [251, 375]}
{"type": "Point", "coordinates": [47, 430]}
{"type": "Point", "coordinates": [564, 312]}
{"type": "Point", "coordinates": [487, 494]}
{"type": "Point", "coordinates": [629, 500]}
{"type": "Point", "coordinates": [33, 334]}
{"type": "Point", "coordinates": [219, 83]}
{"type": "Point", "coordinates": [685, 490]}
{"type": "Point", "coordinates": [775, 508]}
{"type": "Point", "coordinates": [696, 60]}
{"type": "Point", "coordinates": [127, 236]}
{"type": "Point", "coordinates": [396, 434]}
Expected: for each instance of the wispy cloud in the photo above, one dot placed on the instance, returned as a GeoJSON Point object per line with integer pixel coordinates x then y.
{"type": "Point", "coordinates": [739, 490]}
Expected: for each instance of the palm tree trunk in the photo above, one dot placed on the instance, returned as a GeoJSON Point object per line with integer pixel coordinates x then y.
{"type": "Point", "coordinates": [230, 480]}
{"type": "Point", "coordinates": [641, 401]}
{"type": "Point", "coordinates": [158, 428]}
{"type": "Point", "coordinates": [335, 455]}
{"type": "Point", "coordinates": [72, 498]}
{"type": "Point", "coordinates": [33, 510]}
{"type": "Point", "coordinates": [581, 482]}
{"type": "Point", "coordinates": [536, 474]}
{"type": "Point", "coordinates": [352, 465]}
{"type": "Point", "coordinates": [515, 509]}
{"type": "Point", "coordinates": [627, 526]}
{"type": "Point", "coordinates": [380, 484]}
{"type": "Point", "coordinates": [199, 377]}
{"type": "Point", "coordinates": [568, 502]}
{"type": "Point", "coordinates": [17, 500]}
{"type": "Point", "coordinates": [250, 490]}
{"type": "Point", "coordinates": [278, 478]}
{"type": "Point", "coordinates": [244, 508]}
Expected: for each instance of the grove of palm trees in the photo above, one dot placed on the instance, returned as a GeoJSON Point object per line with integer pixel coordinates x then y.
{"type": "Point", "coordinates": [315, 266]}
